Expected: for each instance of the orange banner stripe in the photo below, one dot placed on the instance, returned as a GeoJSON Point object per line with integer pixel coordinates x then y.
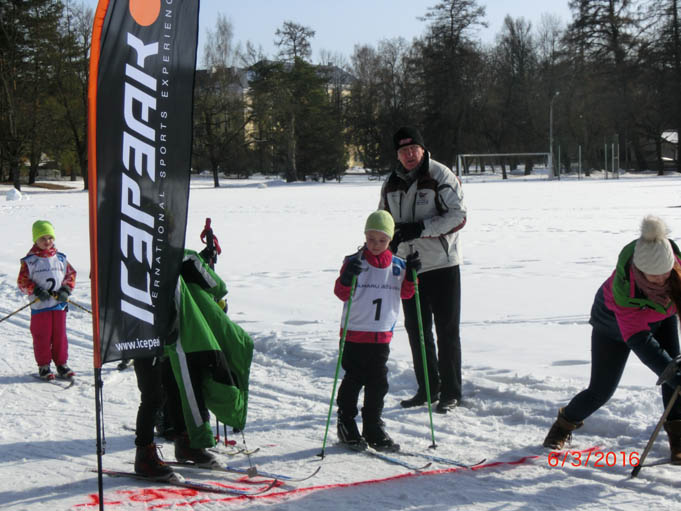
{"type": "Point", "coordinates": [95, 50]}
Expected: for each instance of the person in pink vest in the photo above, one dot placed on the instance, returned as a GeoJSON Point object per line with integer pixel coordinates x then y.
{"type": "Point", "coordinates": [48, 278]}
{"type": "Point", "coordinates": [635, 309]}
{"type": "Point", "coordinates": [382, 281]}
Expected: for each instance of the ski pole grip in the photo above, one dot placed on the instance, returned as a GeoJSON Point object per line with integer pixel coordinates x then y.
{"type": "Point", "coordinates": [670, 371]}
{"type": "Point", "coordinates": [414, 275]}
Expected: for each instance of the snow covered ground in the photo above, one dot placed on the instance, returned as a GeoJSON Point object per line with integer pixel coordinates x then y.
{"type": "Point", "coordinates": [535, 253]}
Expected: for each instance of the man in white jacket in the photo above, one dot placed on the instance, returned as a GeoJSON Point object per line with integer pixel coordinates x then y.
{"type": "Point", "coordinates": [426, 200]}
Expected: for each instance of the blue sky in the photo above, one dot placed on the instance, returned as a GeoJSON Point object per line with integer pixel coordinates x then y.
{"type": "Point", "coordinates": [339, 25]}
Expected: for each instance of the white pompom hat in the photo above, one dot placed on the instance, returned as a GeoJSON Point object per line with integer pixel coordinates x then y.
{"type": "Point", "coordinates": [653, 253]}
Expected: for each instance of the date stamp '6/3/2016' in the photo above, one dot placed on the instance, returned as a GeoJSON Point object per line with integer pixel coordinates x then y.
{"type": "Point", "coordinates": [599, 459]}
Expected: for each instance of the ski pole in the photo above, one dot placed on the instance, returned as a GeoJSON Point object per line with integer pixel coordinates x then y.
{"type": "Point", "coordinates": [70, 300]}
{"type": "Point", "coordinates": [422, 342]}
{"type": "Point", "coordinates": [338, 363]}
{"type": "Point", "coordinates": [18, 310]}
{"type": "Point", "coordinates": [252, 470]}
{"type": "Point", "coordinates": [668, 372]}
{"type": "Point", "coordinates": [79, 306]}
{"type": "Point", "coordinates": [657, 429]}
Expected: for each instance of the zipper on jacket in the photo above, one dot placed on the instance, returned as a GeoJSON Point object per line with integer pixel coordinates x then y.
{"type": "Point", "coordinates": [443, 243]}
{"type": "Point", "coordinates": [413, 205]}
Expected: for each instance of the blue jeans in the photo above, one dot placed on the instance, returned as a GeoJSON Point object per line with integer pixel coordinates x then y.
{"type": "Point", "coordinates": [608, 358]}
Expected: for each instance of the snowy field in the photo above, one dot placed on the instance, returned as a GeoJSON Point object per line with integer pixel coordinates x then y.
{"type": "Point", "coordinates": [535, 253]}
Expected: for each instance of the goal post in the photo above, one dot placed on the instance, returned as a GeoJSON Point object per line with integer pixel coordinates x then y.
{"type": "Point", "coordinates": [514, 164]}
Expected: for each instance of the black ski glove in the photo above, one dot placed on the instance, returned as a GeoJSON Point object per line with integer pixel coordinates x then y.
{"type": "Point", "coordinates": [654, 356]}
{"type": "Point", "coordinates": [672, 373]}
{"type": "Point", "coordinates": [410, 231]}
{"type": "Point", "coordinates": [62, 295]}
{"type": "Point", "coordinates": [413, 264]}
{"type": "Point", "coordinates": [674, 381]}
{"type": "Point", "coordinates": [41, 294]}
{"type": "Point", "coordinates": [352, 269]}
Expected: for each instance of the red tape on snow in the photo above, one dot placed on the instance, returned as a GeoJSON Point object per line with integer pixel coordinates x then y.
{"type": "Point", "coordinates": [299, 491]}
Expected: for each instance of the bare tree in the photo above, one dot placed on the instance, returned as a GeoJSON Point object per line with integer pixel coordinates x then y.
{"type": "Point", "coordinates": [71, 80]}
{"type": "Point", "coordinates": [384, 94]}
{"type": "Point", "coordinates": [668, 49]}
{"type": "Point", "coordinates": [219, 50]}
{"type": "Point", "coordinates": [608, 35]}
{"type": "Point", "coordinates": [251, 55]}
{"type": "Point", "coordinates": [219, 106]}
{"type": "Point", "coordinates": [363, 112]}
{"type": "Point", "coordinates": [448, 65]}
{"type": "Point", "coordinates": [549, 33]}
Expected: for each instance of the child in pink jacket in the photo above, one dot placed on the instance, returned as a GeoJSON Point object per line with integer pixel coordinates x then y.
{"type": "Point", "coordinates": [48, 278]}
{"type": "Point", "coordinates": [382, 281]}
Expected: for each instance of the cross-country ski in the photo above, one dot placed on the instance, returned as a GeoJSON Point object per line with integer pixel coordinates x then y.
{"type": "Point", "coordinates": [64, 383]}
{"type": "Point", "coordinates": [392, 458]}
{"type": "Point", "coordinates": [191, 484]}
{"type": "Point", "coordinates": [439, 459]}
{"type": "Point", "coordinates": [272, 475]}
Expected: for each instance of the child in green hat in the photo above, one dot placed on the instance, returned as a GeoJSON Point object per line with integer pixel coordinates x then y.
{"type": "Point", "coordinates": [48, 278]}
{"type": "Point", "coordinates": [382, 280]}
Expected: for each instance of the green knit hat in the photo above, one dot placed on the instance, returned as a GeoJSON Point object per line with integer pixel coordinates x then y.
{"type": "Point", "coordinates": [42, 228]}
{"type": "Point", "coordinates": [381, 221]}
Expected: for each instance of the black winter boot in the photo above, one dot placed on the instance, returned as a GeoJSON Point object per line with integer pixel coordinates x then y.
{"type": "Point", "coordinates": [376, 436]}
{"type": "Point", "coordinates": [185, 452]}
{"type": "Point", "coordinates": [148, 464]}
{"type": "Point", "coordinates": [419, 399]}
{"type": "Point", "coordinates": [45, 372]}
{"type": "Point", "coordinates": [348, 433]}
{"type": "Point", "coordinates": [65, 372]}
{"type": "Point", "coordinates": [673, 429]}
{"type": "Point", "coordinates": [446, 404]}
{"type": "Point", "coordinates": [560, 432]}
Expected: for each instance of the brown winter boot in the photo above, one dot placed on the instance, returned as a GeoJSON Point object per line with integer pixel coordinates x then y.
{"type": "Point", "coordinates": [147, 463]}
{"type": "Point", "coordinates": [560, 432]}
{"type": "Point", "coordinates": [673, 429]}
{"type": "Point", "coordinates": [185, 452]}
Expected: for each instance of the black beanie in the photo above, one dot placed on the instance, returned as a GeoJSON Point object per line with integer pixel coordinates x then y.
{"type": "Point", "coordinates": [407, 135]}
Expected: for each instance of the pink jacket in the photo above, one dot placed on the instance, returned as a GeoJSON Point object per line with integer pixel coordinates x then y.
{"type": "Point", "coordinates": [382, 260]}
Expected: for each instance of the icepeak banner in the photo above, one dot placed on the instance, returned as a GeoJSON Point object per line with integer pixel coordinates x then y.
{"type": "Point", "coordinates": [142, 64]}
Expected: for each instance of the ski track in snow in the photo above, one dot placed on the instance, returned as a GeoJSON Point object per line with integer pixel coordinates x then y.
{"type": "Point", "coordinates": [47, 439]}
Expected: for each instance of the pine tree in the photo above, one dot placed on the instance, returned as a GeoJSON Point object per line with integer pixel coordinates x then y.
{"type": "Point", "coordinates": [28, 33]}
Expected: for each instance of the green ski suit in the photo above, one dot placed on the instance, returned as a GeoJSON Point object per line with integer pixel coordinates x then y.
{"type": "Point", "coordinates": [210, 352]}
